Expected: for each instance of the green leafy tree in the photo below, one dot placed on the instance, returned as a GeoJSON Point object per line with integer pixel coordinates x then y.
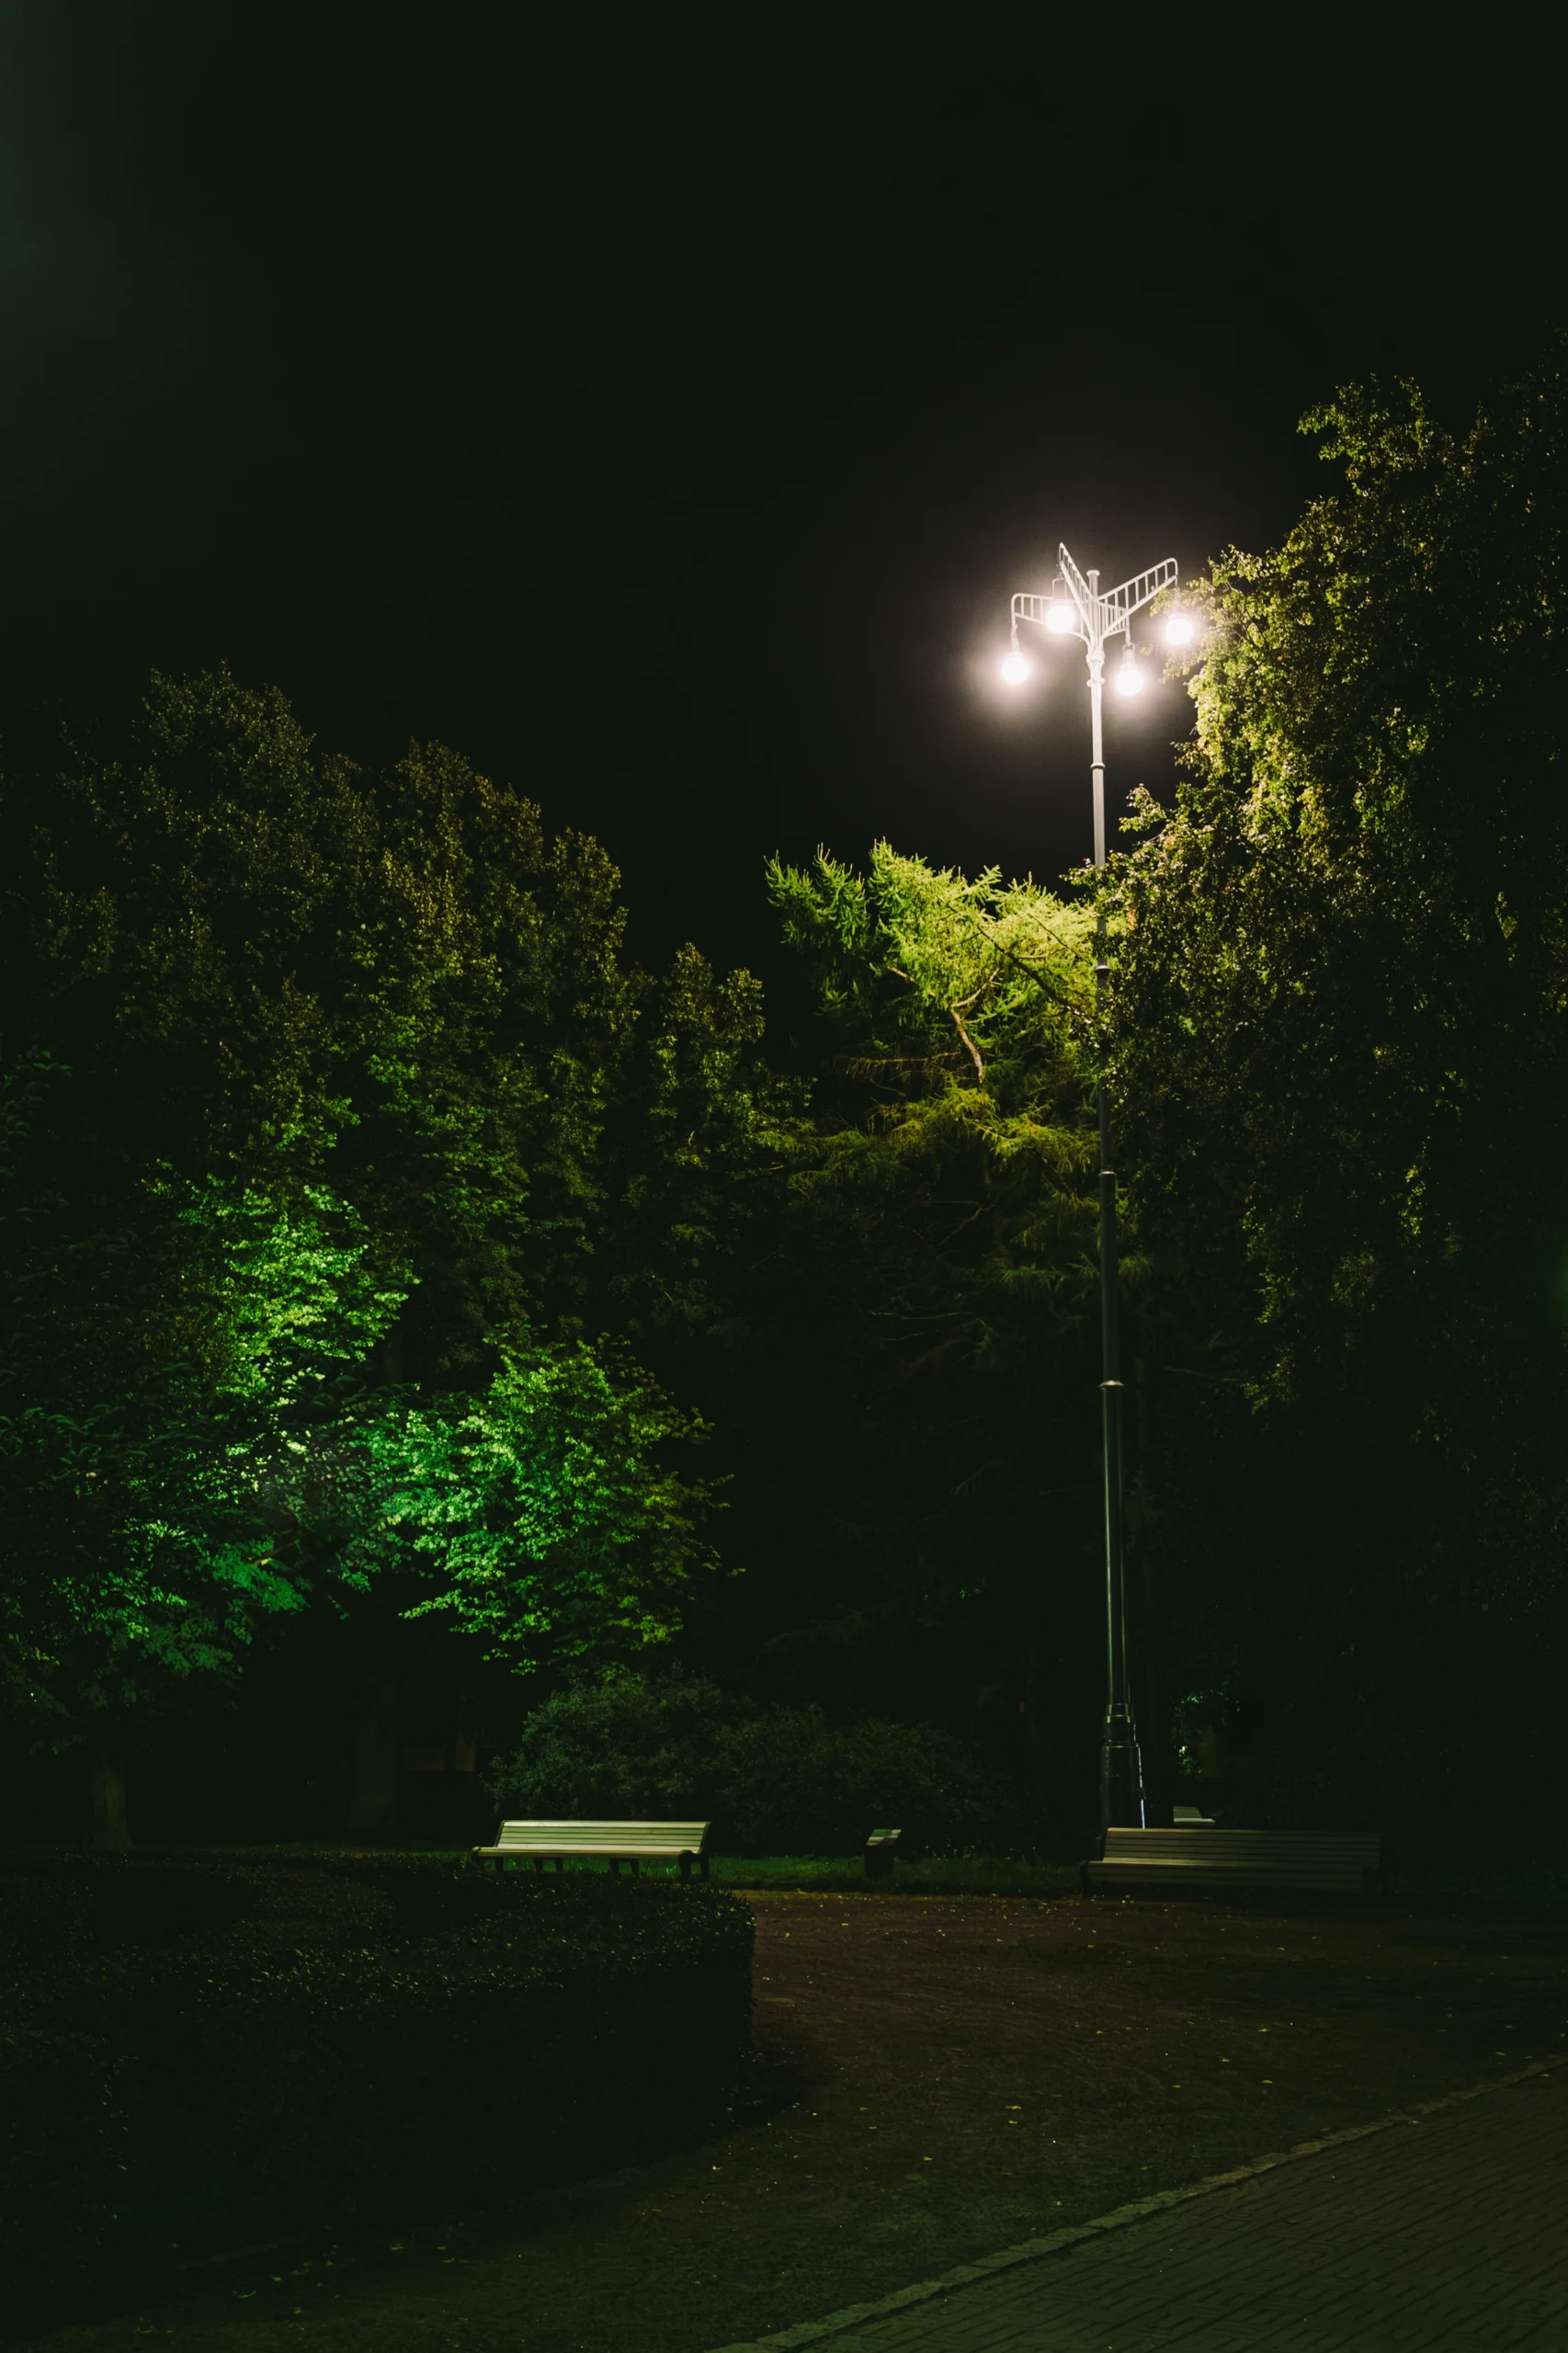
{"type": "Point", "coordinates": [258, 957]}
{"type": "Point", "coordinates": [266, 968]}
{"type": "Point", "coordinates": [919, 1503]}
{"type": "Point", "coordinates": [538, 1515]}
{"type": "Point", "coordinates": [1343, 1062]}
{"type": "Point", "coordinates": [189, 1445]}
{"type": "Point", "coordinates": [162, 1368]}
{"type": "Point", "coordinates": [697, 1156]}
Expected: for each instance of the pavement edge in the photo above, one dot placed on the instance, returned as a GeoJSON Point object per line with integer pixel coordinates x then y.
{"type": "Point", "coordinates": [966, 2275]}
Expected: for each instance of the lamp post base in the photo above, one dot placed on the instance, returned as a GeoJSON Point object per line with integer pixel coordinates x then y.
{"type": "Point", "coordinates": [1122, 1775]}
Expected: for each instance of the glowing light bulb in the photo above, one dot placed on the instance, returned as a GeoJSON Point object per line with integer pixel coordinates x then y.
{"type": "Point", "coordinates": [1015, 668]}
{"type": "Point", "coordinates": [1180, 629]}
{"type": "Point", "coordinates": [1061, 616]}
{"type": "Point", "coordinates": [1130, 678]}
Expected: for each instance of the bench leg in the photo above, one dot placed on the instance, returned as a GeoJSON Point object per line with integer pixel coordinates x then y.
{"type": "Point", "coordinates": [615, 1865]}
{"type": "Point", "coordinates": [560, 1863]}
{"type": "Point", "coordinates": [686, 1867]}
{"type": "Point", "coordinates": [538, 1867]}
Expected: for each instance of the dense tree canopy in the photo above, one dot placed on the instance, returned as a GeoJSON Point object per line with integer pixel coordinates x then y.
{"type": "Point", "coordinates": [336, 1108]}
{"type": "Point", "coordinates": [259, 957]}
{"type": "Point", "coordinates": [913, 1401]}
{"type": "Point", "coordinates": [1339, 1020]}
{"type": "Point", "coordinates": [1342, 1054]}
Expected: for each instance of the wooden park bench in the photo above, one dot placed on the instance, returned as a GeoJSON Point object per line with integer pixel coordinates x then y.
{"type": "Point", "coordinates": [617, 1842]}
{"type": "Point", "coordinates": [1167, 1861]}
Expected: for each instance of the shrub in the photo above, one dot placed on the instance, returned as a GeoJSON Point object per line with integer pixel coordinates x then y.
{"type": "Point", "coordinates": [59, 1910]}
{"type": "Point", "coordinates": [774, 1779]}
{"type": "Point", "coordinates": [616, 1750]}
{"type": "Point", "coordinates": [298, 2067]}
{"type": "Point", "coordinates": [62, 2138]}
{"type": "Point", "coordinates": [791, 1780]}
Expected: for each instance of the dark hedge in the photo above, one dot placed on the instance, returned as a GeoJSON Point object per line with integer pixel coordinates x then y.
{"type": "Point", "coordinates": [774, 1780]}
{"type": "Point", "coordinates": [219, 2052]}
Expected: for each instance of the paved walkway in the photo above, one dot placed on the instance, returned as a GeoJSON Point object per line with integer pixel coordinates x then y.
{"type": "Point", "coordinates": [1449, 2229]}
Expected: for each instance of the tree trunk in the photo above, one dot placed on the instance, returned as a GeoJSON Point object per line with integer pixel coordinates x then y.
{"type": "Point", "coordinates": [373, 1804]}
{"type": "Point", "coordinates": [107, 1826]}
{"type": "Point", "coordinates": [1039, 1766]}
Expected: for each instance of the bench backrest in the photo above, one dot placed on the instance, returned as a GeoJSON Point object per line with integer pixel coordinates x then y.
{"type": "Point", "coordinates": [617, 1837]}
{"type": "Point", "coordinates": [1326, 1850]}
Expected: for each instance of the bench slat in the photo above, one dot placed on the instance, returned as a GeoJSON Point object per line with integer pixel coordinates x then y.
{"type": "Point", "coordinates": [598, 1833]}
{"type": "Point", "coordinates": [634, 1854]}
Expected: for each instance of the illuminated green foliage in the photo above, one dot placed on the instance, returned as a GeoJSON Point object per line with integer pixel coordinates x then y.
{"type": "Point", "coordinates": [259, 958]}
{"type": "Point", "coordinates": [337, 1127]}
{"type": "Point", "coordinates": [1343, 1062]}
{"type": "Point", "coordinates": [696, 1151]}
{"type": "Point", "coordinates": [928, 1308]}
{"type": "Point", "coordinates": [157, 1380]}
{"type": "Point", "coordinates": [535, 1515]}
{"type": "Point", "coordinates": [961, 1010]}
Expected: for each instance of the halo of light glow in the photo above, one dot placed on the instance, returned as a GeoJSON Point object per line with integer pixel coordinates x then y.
{"type": "Point", "coordinates": [1061, 616]}
{"type": "Point", "coordinates": [1015, 667]}
{"type": "Point", "coordinates": [1180, 629]}
{"type": "Point", "coordinates": [1130, 678]}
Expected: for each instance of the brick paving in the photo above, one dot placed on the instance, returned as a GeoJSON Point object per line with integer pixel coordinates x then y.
{"type": "Point", "coordinates": [1448, 2229]}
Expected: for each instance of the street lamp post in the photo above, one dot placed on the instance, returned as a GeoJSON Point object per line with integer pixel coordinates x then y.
{"type": "Point", "coordinates": [1076, 608]}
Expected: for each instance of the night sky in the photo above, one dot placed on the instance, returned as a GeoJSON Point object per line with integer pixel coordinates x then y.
{"type": "Point", "coordinates": [670, 432]}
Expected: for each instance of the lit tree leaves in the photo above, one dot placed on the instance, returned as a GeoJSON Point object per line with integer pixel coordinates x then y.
{"type": "Point", "coordinates": [962, 1011]}
{"type": "Point", "coordinates": [926, 1412]}
{"type": "Point", "coordinates": [538, 1514]}
{"type": "Point", "coordinates": [1341, 1047]}
{"type": "Point", "coordinates": [334, 1094]}
{"type": "Point", "coordinates": [158, 1383]}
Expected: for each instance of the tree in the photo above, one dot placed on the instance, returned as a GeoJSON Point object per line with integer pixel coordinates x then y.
{"type": "Point", "coordinates": [1341, 1050]}
{"type": "Point", "coordinates": [261, 958]}
{"type": "Point", "coordinates": [698, 1151]}
{"type": "Point", "coordinates": [161, 1370]}
{"type": "Point", "coordinates": [271, 969]}
{"type": "Point", "coordinates": [540, 1516]}
{"type": "Point", "coordinates": [914, 1410]}
{"type": "Point", "coordinates": [188, 1445]}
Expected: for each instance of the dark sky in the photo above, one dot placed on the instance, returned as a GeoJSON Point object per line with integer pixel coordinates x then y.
{"type": "Point", "coordinates": [669, 432]}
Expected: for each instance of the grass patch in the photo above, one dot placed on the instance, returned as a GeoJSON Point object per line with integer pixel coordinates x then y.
{"type": "Point", "coordinates": [845, 1875]}
{"type": "Point", "coordinates": [811, 1874]}
{"type": "Point", "coordinates": [932, 1875]}
{"type": "Point", "coordinates": [1540, 1891]}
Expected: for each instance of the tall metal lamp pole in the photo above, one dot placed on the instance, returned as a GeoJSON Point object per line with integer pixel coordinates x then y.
{"type": "Point", "coordinates": [1076, 608]}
